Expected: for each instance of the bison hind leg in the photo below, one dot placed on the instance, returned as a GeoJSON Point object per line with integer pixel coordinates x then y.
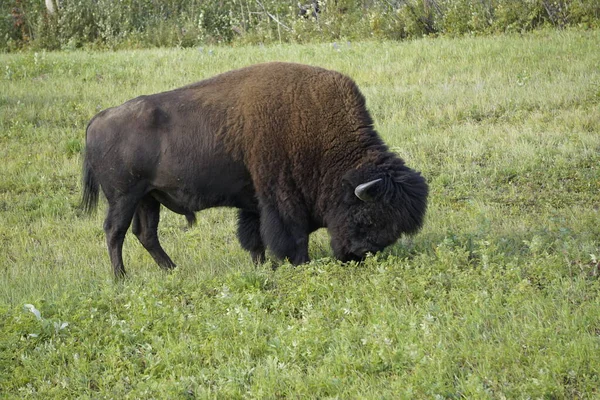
{"type": "Point", "coordinates": [145, 227]}
{"type": "Point", "coordinates": [249, 235]}
{"type": "Point", "coordinates": [118, 219]}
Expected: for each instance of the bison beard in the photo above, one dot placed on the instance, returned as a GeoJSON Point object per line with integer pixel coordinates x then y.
{"type": "Point", "coordinates": [291, 146]}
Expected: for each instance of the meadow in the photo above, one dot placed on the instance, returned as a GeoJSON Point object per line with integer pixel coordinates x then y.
{"type": "Point", "coordinates": [497, 297]}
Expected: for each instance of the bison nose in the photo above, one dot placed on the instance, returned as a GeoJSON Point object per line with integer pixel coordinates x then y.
{"type": "Point", "coordinates": [355, 256]}
{"type": "Point", "coordinates": [347, 257]}
{"type": "Point", "coordinates": [362, 250]}
{"type": "Point", "coordinates": [360, 256]}
{"type": "Point", "coordinates": [361, 253]}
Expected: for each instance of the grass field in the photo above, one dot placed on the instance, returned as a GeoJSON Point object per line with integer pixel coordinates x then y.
{"type": "Point", "coordinates": [497, 297]}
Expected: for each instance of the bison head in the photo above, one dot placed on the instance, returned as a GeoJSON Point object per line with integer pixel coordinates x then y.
{"type": "Point", "coordinates": [375, 207]}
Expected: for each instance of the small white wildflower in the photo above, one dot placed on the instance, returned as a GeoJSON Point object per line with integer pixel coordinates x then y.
{"type": "Point", "coordinates": [224, 292]}
{"type": "Point", "coordinates": [34, 310]}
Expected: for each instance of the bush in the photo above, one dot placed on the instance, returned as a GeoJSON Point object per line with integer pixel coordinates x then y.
{"type": "Point", "coordinates": [150, 23]}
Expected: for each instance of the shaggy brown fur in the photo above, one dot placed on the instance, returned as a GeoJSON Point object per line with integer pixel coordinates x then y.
{"type": "Point", "coordinates": [287, 144]}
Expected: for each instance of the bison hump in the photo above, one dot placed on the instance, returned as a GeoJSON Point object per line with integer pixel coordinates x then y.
{"type": "Point", "coordinates": [146, 112]}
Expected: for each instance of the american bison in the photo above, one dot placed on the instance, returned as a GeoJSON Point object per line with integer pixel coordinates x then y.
{"type": "Point", "coordinates": [291, 146]}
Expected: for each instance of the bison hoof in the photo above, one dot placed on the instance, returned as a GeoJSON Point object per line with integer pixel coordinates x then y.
{"type": "Point", "coordinates": [258, 257]}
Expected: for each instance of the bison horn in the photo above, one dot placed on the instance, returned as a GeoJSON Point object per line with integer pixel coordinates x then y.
{"type": "Point", "coordinates": [362, 190]}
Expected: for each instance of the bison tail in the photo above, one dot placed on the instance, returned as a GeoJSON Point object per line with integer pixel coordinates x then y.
{"type": "Point", "coordinates": [191, 219]}
{"type": "Point", "coordinates": [90, 189]}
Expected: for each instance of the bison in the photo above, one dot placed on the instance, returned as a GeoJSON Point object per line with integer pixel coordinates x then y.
{"type": "Point", "coordinates": [291, 146]}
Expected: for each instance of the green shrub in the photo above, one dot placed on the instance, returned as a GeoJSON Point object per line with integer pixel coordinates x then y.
{"type": "Point", "coordinates": [149, 23]}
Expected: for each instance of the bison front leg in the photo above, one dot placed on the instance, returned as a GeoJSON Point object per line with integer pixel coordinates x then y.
{"type": "Point", "coordinates": [285, 237]}
{"type": "Point", "coordinates": [249, 235]}
{"type": "Point", "coordinates": [145, 227]}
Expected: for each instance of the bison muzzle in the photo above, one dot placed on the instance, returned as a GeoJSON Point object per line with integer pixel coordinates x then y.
{"type": "Point", "coordinates": [291, 146]}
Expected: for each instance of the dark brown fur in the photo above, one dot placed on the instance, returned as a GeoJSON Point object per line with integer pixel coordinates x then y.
{"type": "Point", "coordinates": [287, 144]}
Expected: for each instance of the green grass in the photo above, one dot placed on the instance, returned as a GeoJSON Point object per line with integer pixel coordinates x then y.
{"type": "Point", "coordinates": [497, 297]}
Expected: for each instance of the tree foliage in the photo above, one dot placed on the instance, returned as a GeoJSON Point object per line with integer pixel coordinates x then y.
{"type": "Point", "coordinates": [185, 23]}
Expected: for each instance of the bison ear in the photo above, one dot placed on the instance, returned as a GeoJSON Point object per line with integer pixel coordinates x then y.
{"type": "Point", "coordinates": [366, 191]}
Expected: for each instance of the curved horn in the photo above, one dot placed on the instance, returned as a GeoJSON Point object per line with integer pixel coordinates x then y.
{"type": "Point", "coordinates": [361, 190]}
